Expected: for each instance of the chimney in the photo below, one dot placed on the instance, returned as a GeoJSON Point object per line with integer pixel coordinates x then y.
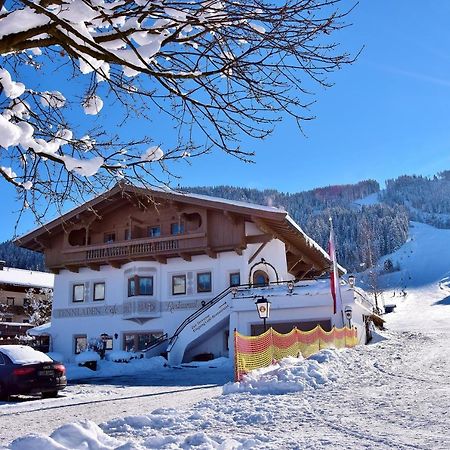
{"type": "Point", "coordinates": [2, 265]}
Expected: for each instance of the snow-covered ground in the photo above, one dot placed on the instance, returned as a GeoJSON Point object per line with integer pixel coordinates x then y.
{"type": "Point", "coordinates": [393, 394]}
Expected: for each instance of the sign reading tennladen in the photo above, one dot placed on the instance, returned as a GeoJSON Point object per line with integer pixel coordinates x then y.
{"type": "Point", "coordinates": [148, 307]}
{"type": "Point", "coordinates": [88, 311]}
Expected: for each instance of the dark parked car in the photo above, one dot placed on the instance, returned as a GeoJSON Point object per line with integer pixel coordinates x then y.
{"type": "Point", "coordinates": [24, 370]}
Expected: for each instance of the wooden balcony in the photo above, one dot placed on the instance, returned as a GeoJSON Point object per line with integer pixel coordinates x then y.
{"type": "Point", "coordinates": [182, 245]}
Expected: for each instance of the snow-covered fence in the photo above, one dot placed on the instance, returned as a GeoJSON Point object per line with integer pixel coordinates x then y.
{"type": "Point", "coordinates": [254, 352]}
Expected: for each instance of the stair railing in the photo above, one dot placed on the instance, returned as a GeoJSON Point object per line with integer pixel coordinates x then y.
{"type": "Point", "coordinates": [158, 341]}
{"type": "Point", "coordinates": [198, 313]}
{"type": "Point", "coordinates": [205, 307]}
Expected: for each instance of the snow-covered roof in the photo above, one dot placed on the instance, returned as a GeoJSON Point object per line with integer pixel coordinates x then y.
{"type": "Point", "coordinates": [40, 330]}
{"type": "Point", "coordinates": [273, 221]}
{"type": "Point", "coordinates": [154, 190]}
{"type": "Point", "coordinates": [26, 278]}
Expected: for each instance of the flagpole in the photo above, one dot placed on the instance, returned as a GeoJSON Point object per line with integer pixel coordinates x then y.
{"type": "Point", "coordinates": [334, 278]}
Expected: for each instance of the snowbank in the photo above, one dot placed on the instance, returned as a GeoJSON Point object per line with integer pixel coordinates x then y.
{"type": "Point", "coordinates": [291, 375]}
{"type": "Point", "coordinates": [87, 356]}
{"type": "Point", "coordinates": [111, 368]}
{"type": "Point", "coordinates": [80, 435]}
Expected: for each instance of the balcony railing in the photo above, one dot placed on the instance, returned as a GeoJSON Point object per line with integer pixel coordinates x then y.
{"type": "Point", "coordinates": [134, 248]}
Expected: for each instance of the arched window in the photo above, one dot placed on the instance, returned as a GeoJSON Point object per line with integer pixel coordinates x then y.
{"type": "Point", "coordinates": [260, 278]}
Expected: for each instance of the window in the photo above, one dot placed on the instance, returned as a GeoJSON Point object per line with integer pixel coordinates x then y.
{"type": "Point", "coordinates": [139, 341]}
{"type": "Point", "coordinates": [99, 291]}
{"type": "Point", "coordinates": [140, 286]}
{"type": "Point", "coordinates": [176, 228]}
{"type": "Point", "coordinates": [10, 301]}
{"type": "Point", "coordinates": [127, 234]}
{"type": "Point", "coordinates": [154, 231]}
{"type": "Point", "coordinates": [145, 285]}
{"type": "Point", "coordinates": [80, 343]}
{"type": "Point", "coordinates": [78, 293]}
{"type": "Point", "coordinates": [260, 278]}
{"type": "Point", "coordinates": [109, 238]}
{"type": "Point", "coordinates": [178, 284]}
{"type": "Point", "coordinates": [204, 282]}
{"type": "Point", "coordinates": [235, 279]}
{"type": "Point", "coordinates": [131, 287]}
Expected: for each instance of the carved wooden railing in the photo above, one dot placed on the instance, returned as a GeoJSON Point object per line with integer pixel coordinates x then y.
{"type": "Point", "coordinates": [135, 247]}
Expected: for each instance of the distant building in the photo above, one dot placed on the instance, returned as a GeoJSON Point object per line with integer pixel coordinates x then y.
{"type": "Point", "coordinates": [14, 284]}
{"type": "Point", "coordinates": [135, 267]}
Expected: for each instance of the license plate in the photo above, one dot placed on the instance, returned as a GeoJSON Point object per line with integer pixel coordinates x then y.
{"type": "Point", "coordinates": [46, 373]}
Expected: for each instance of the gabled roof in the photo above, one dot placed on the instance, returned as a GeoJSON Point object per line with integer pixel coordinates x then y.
{"type": "Point", "coordinates": [274, 221]}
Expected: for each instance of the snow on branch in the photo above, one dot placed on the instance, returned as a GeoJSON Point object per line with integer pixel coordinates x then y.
{"type": "Point", "coordinates": [79, 77]}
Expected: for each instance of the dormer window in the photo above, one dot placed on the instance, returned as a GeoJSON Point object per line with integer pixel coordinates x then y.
{"type": "Point", "coordinates": [176, 228]}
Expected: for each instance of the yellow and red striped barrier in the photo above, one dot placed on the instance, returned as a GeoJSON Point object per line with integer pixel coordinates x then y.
{"type": "Point", "coordinates": [254, 352]}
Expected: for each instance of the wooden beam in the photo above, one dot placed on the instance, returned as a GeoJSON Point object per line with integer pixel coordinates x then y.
{"type": "Point", "coordinates": [54, 271]}
{"type": "Point", "coordinates": [295, 251]}
{"type": "Point", "coordinates": [115, 264]}
{"type": "Point", "coordinates": [43, 244]}
{"type": "Point", "coordinates": [258, 238]}
{"type": "Point", "coordinates": [238, 250]}
{"type": "Point", "coordinates": [161, 259]}
{"type": "Point", "coordinates": [293, 266]}
{"type": "Point", "coordinates": [74, 269]}
{"type": "Point", "coordinates": [262, 226]}
{"type": "Point", "coordinates": [258, 251]}
{"type": "Point", "coordinates": [212, 254]}
{"type": "Point", "coordinates": [306, 273]}
{"type": "Point", "coordinates": [95, 267]}
{"type": "Point", "coordinates": [185, 256]}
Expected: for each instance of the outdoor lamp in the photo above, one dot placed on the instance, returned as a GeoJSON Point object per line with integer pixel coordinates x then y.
{"type": "Point", "coordinates": [263, 308]}
{"type": "Point", "coordinates": [290, 287]}
{"type": "Point", "coordinates": [234, 291]}
{"type": "Point", "coordinates": [351, 281]}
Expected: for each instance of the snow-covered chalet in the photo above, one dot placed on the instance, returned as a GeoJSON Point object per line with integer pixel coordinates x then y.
{"type": "Point", "coordinates": [163, 271]}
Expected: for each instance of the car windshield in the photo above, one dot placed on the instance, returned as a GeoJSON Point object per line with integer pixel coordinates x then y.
{"type": "Point", "coordinates": [22, 354]}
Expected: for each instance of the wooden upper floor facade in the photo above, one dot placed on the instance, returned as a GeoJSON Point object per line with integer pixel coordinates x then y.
{"type": "Point", "coordinates": [130, 224]}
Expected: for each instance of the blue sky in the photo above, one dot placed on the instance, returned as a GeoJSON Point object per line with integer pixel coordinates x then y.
{"type": "Point", "coordinates": [387, 115]}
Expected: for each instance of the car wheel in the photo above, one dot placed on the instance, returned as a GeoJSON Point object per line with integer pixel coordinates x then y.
{"type": "Point", "coordinates": [3, 393]}
{"type": "Point", "coordinates": [50, 394]}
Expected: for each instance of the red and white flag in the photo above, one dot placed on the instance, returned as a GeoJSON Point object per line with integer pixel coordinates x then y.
{"type": "Point", "coordinates": [334, 275]}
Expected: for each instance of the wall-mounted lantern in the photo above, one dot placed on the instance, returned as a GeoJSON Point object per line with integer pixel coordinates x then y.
{"type": "Point", "coordinates": [290, 287]}
{"type": "Point", "coordinates": [263, 308]}
{"type": "Point", "coordinates": [351, 281]}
